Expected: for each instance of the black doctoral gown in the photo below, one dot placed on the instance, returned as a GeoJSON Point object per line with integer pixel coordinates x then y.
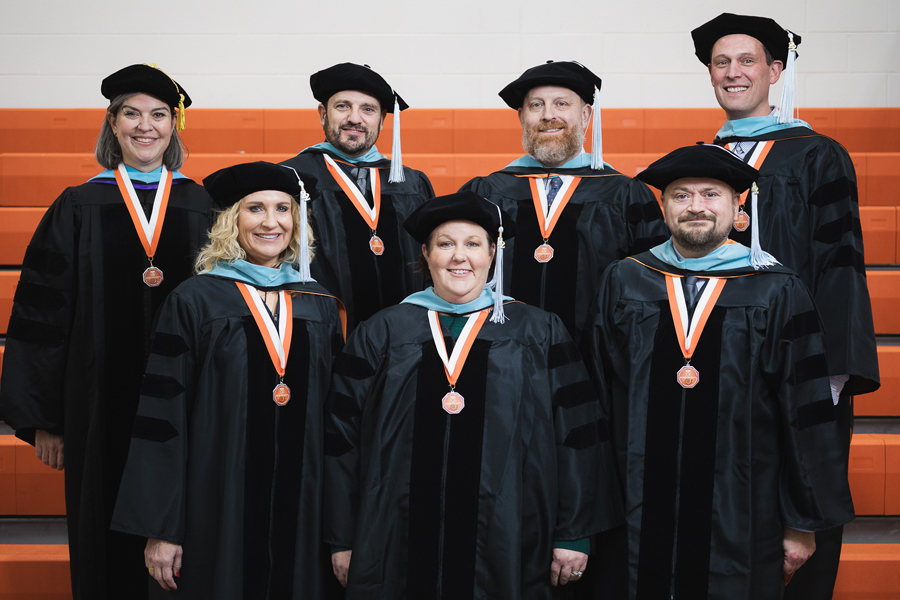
{"type": "Point", "coordinates": [465, 505]}
{"type": "Point", "coordinates": [76, 349]}
{"type": "Point", "coordinates": [809, 221]}
{"type": "Point", "coordinates": [713, 474]}
{"type": "Point", "coordinates": [344, 263]}
{"type": "Point", "coordinates": [215, 465]}
{"type": "Point", "coordinates": [609, 216]}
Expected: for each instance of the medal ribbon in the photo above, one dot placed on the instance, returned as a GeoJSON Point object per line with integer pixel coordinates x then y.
{"type": "Point", "coordinates": [453, 365]}
{"type": "Point", "coordinates": [148, 232]}
{"type": "Point", "coordinates": [757, 157]}
{"type": "Point", "coordinates": [688, 338]}
{"type": "Point", "coordinates": [278, 341]}
{"type": "Point", "coordinates": [547, 218]}
{"type": "Point", "coordinates": [370, 215]}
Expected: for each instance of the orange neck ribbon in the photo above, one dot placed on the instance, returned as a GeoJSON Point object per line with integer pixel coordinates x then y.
{"type": "Point", "coordinates": [278, 341]}
{"type": "Point", "coordinates": [368, 213]}
{"type": "Point", "coordinates": [757, 158]}
{"type": "Point", "coordinates": [689, 337]}
{"type": "Point", "coordinates": [453, 365]}
{"type": "Point", "coordinates": [547, 218]}
{"type": "Point", "coordinates": [147, 231]}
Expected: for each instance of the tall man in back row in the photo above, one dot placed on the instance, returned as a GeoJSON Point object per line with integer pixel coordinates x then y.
{"type": "Point", "coordinates": [574, 214]}
{"type": "Point", "coordinates": [362, 252]}
{"type": "Point", "coordinates": [808, 218]}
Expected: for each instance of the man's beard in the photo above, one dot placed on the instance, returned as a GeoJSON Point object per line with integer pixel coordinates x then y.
{"type": "Point", "coordinates": [354, 148]}
{"type": "Point", "coordinates": [557, 150]}
{"type": "Point", "coordinates": [701, 240]}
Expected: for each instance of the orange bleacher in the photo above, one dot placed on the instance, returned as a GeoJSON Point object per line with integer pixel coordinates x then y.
{"type": "Point", "coordinates": [42, 151]}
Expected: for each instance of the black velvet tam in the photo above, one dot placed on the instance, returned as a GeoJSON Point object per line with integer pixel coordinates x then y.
{"type": "Point", "coordinates": [702, 160]}
{"type": "Point", "coordinates": [463, 206]}
{"type": "Point", "coordinates": [567, 74]}
{"type": "Point", "coordinates": [144, 79]}
{"type": "Point", "coordinates": [348, 76]}
{"type": "Point", "coordinates": [227, 186]}
{"type": "Point", "coordinates": [772, 35]}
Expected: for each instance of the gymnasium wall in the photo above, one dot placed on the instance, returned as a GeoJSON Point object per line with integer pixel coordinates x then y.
{"type": "Point", "coordinates": [457, 54]}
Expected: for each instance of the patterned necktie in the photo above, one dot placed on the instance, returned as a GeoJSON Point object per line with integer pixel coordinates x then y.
{"type": "Point", "coordinates": [552, 189]}
{"type": "Point", "coordinates": [360, 175]}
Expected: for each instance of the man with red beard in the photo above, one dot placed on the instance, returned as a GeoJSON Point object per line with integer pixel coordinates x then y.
{"type": "Point", "coordinates": [574, 213]}
{"type": "Point", "coordinates": [362, 252]}
{"type": "Point", "coordinates": [808, 215]}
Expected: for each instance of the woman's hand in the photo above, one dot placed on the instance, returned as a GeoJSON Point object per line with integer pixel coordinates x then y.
{"type": "Point", "coordinates": [567, 565]}
{"type": "Point", "coordinates": [48, 447]}
{"type": "Point", "coordinates": [163, 560]}
{"type": "Point", "coordinates": [340, 562]}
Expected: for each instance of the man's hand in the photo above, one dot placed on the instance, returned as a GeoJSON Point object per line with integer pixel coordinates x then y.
{"type": "Point", "coordinates": [798, 547]}
{"type": "Point", "coordinates": [48, 447]}
{"type": "Point", "coordinates": [163, 560]}
{"type": "Point", "coordinates": [340, 563]}
{"type": "Point", "coordinates": [567, 565]}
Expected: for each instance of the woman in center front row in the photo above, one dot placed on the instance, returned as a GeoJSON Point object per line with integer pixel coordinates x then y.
{"type": "Point", "coordinates": [224, 474]}
{"type": "Point", "coordinates": [465, 452]}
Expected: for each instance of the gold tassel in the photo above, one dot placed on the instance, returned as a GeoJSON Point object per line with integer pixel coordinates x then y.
{"type": "Point", "coordinates": [180, 123]}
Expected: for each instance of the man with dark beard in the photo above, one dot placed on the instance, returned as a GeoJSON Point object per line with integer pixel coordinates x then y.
{"type": "Point", "coordinates": [362, 252]}
{"type": "Point", "coordinates": [710, 359]}
{"type": "Point", "coordinates": [574, 213]}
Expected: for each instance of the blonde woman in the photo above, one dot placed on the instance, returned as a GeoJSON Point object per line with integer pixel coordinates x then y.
{"type": "Point", "coordinates": [225, 471]}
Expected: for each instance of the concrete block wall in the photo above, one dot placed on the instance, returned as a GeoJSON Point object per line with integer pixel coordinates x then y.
{"type": "Point", "coordinates": [260, 53]}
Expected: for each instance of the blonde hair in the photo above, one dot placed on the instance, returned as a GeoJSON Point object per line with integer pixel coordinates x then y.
{"type": "Point", "coordinates": [223, 243]}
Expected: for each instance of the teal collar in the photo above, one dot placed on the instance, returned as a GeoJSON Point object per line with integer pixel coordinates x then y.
{"type": "Point", "coordinates": [428, 299]}
{"type": "Point", "coordinates": [373, 155]}
{"type": "Point", "coordinates": [256, 275]}
{"type": "Point", "coordinates": [580, 161]}
{"type": "Point", "coordinates": [135, 175]}
{"type": "Point", "coordinates": [725, 257]}
{"type": "Point", "coordinates": [756, 126]}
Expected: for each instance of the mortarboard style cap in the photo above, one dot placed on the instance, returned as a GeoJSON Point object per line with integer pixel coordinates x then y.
{"type": "Point", "coordinates": [231, 184]}
{"type": "Point", "coordinates": [151, 80]}
{"type": "Point", "coordinates": [348, 76]}
{"type": "Point", "coordinates": [463, 206]}
{"type": "Point", "coordinates": [567, 74]}
{"type": "Point", "coordinates": [701, 160]}
{"type": "Point", "coordinates": [770, 34]}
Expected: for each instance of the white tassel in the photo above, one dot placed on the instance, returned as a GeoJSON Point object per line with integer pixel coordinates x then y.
{"type": "Point", "coordinates": [759, 258]}
{"type": "Point", "coordinates": [497, 281]}
{"type": "Point", "coordinates": [304, 235]}
{"type": "Point", "coordinates": [596, 134]}
{"type": "Point", "coordinates": [788, 95]}
{"type": "Point", "coordinates": [396, 175]}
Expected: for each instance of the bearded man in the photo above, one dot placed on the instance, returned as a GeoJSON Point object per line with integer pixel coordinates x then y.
{"type": "Point", "coordinates": [713, 372]}
{"type": "Point", "coordinates": [362, 252]}
{"type": "Point", "coordinates": [574, 214]}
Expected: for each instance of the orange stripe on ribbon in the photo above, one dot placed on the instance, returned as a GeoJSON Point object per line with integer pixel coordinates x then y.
{"type": "Point", "coordinates": [454, 365]}
{"type": "Point", "coordinates": [267, 327]}
{"type": "Point", "coordinates": [699, 323]}
{"type": "Point", "coordinates": [547, 228]}
{"type": "Point", "coordinates": [137, 219]}
{"type": "Point", "coordinates": [760, 159]}
{"type": "Point", "coordinates": [355, 195]}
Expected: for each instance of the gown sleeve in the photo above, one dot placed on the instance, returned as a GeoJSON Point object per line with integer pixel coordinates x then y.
{"type": "Point", "coordinates": [839, 270]}
{"type": "Point", "coordinates": [589, 497]}
{"type": "Point", "coordinates": [813, 489]}
{"type": "Point", "coordinates": [353, 381]}
{"type": "Point", "coordinates": [37, 344]}
{"type": "Point", "coordinates": [151, 501]}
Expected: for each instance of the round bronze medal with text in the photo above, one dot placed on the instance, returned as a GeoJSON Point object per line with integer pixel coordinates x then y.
{"type": "Point", "coordinates": [688, 376]}
{"type": "Point", "coordinates": [543, 253]}
{"type": "Point", "coordinates": [376, 245]}
{"type": "Point", "coordinates": [281, 394]}
{"type": "Point", "coordinates": [153, 276]}
{"type": "Point", "coordinates": [453, 403]}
